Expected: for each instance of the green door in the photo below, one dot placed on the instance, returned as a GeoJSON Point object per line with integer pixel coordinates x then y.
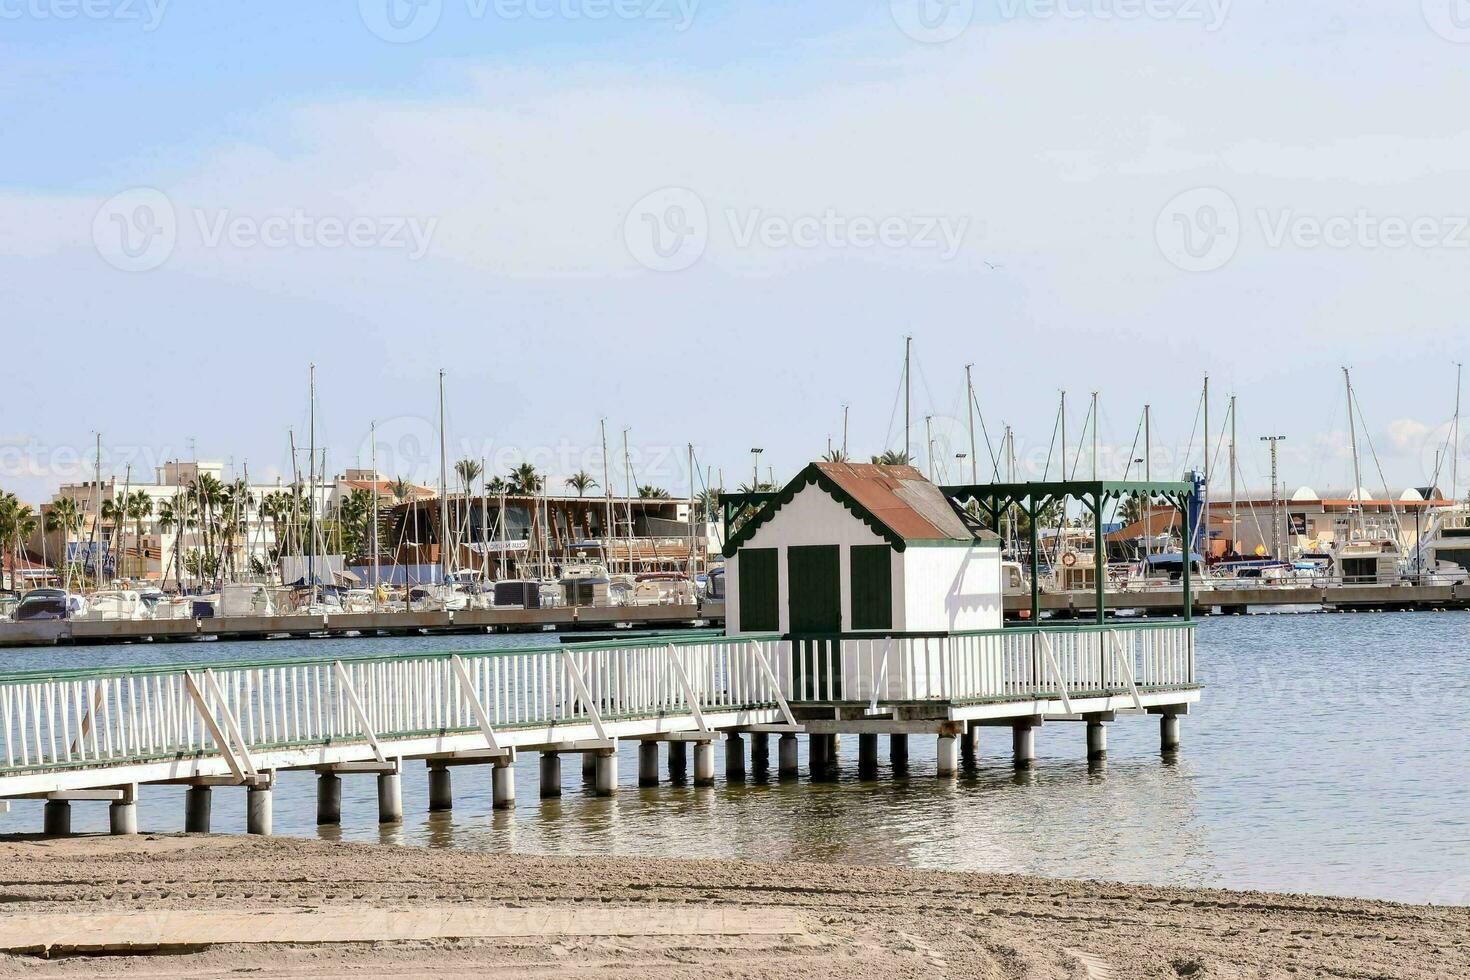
{"type": "Point", "coordinates": [872, 586]}
{"type": "Point", "coordinates": [759, 590]}
{"type": "Point", "coordinates": [814, 589]}
{"type": "Point", "coordinates": [814, 598]}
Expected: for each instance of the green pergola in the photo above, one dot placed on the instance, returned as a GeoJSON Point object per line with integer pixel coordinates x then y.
{"type": "Point", "coordinates": [995, 499]}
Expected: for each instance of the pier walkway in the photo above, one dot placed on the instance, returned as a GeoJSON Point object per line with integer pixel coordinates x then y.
{"type": "Point", "coordinates": [89, 734]}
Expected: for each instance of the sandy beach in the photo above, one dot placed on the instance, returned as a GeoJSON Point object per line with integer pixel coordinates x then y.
{"type": "Point", "coordinates": [176, 906]}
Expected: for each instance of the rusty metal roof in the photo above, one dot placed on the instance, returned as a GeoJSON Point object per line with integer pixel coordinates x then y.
{"type": "Point", "coordinates": [901, 499]}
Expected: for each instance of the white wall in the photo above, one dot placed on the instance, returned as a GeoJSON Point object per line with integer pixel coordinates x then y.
{"type": "Point", "coordinates": [949, 589]}
{"type": "Point", "coordinates": [812, 518]}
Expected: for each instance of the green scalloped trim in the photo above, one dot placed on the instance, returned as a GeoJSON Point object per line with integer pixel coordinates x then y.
{"type": "Point", "coordinates": [808, 477]}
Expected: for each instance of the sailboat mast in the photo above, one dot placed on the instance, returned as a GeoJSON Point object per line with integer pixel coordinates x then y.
{"type": "Point", "coordinates": [1204, 511]}
{"type": "Point", "coordinates": [311, 476]}
{"type": "Point", "coordinates": [1148, 476]}
{"type": "Point", "coordinates": [377, 561]}
{"type": "Point", "coordinates": [443, 491]}
{"type": "Point", "coordinates": [609, 532]}
{"type": "Point", "coordinates": [908, 346]}
{"type": "Point", "coordinates": [1233, 501]}
{"type": "Point", "coordinates": [970, 408]}
{"type": "Point", "coordinates": [929, 443]}
{"type": "Point", "coordinates": [1357, 509]}
{"type": "Point", "coordinates": [691, 514]}
{"type": "Point", "coordinates": [844, 432]}
{"type": "Point", "coordinates": [1063, 416]}
{"type": "Point", "coordinates": [1455, 446]}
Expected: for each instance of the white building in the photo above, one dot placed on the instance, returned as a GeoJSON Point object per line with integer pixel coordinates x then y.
{"type": "Point", "coordinates": [853, 548]}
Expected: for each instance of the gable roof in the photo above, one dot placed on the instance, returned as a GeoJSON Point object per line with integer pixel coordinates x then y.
{"type": "Point", "coordinates": [896, 502]}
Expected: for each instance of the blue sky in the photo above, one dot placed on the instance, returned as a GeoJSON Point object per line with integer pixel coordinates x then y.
{"type": "Point", "coordinates": [1091, 196]}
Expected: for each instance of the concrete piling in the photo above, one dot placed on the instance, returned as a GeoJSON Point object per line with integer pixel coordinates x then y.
{"type": "Point", "coordinates": [197, 804]}
{"type": "Point", "coordinates": [503, 785]}
{"type": "Point", "coordinates": [678, 761]}
{"type": "Point", "coordinates": [550, 775]}
{"type": "Point", "coordinates": [734, 757]}
{"type": "Point", "coordinates": [1169, 733]}
{"type": "Point", "coordinates": [1097, 740]}
{"type": "Point", "coordinates": [441, 788]}
{"type": "Point", "coordinates": [867, 755]}
{"type": "Point", "coordinates": [390, 797]}
{"type": "Point", "coordinates": [258, 810]}
{"type": "Point", "coordinates": [56, 818]}
{"type": "Point", "coordinates": [328, 799]}
{"type": "Point", "coordinates": [817, 749]}
{"type": "Point", "coordinates": [648, 763]}
{"type": "Point", "coordinates": [760, 751]}
{"type": "Point", "coordinates": [898, 752]}
{"type": "Point", "coordinates": [786, 756]}
{"type": "Point", "coordinates": [605, 780]}
{"type": "Point", "coordinates": [704, 763]}
{"type": "Point", "coordinates": [970, 746]}
{"type": "Point", "coordinates": [589, 767]}
{"type": "Point", "coordinates": [947, 751]}
{"type": "Point", "coordinates": [1023, 745]}
{"type": "Point", "coordinates": [122, 815]}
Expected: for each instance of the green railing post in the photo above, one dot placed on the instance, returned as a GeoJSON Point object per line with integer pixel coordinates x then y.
{"type": "Point", "coordinates": [1185, 557]}
{"type": "Point", "coordinates": [1031, 509]}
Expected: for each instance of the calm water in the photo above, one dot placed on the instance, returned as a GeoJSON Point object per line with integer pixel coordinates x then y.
{"type": "Point", "coordinates": [1331, 755]}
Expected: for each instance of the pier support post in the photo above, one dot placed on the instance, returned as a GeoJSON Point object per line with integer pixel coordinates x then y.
{"type": "Point", "coordinates": [605, 779]}
{"type": "Point", "coordinates": [970, 745]}
{"type": "Point", "coordinates": [1168, 733]}
{"type": "Point", "coordinates": [734, 757]}
{"type": "Point", "coordinates": [122, 815]}
{"type": "Point", "coordinates": [503, 784]}
{"type": "Point", "coordinates": [678, 761]}
{"type": "Point", "coordinates": [760, 751]}
{"type": "Point", "coordinates": [786, 754]}
{"type": "Point", "coordinates": [867, 755]}
{"type": "Point", "coordinates": [390, 797]}
{"type": "Point", "coordinates": [947, 750]}
{"type": "Point", "coordinates": [56, 818]}
{"type": "Point", "coordinates": [817, 758]}
{"type": "Point", "coordinates": [589, 767]}
{"type": "Point", "coordinates": [258, 810]}
{"type": "Point", "coordinates": [550, 775]}
{"type": "Point", "coordinates": [197, 801]}
{"type": "Point", "coordinates": [1023, 744]}
{"type": "Point", "coordinates": [441, 788]}
{"type": "Point", "coordinates": [1097, 740]}
{"type": "Point", "coordinates": [704, 763]}
{"type": "Point", "coordinates": [898, 752]}
{"type": "Point", "coordinates": [328, 799]}
{"type": "Point", "coordinates": [648, 763]}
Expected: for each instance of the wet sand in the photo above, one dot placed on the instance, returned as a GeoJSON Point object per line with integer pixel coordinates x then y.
{"type": "Point", "coordinates": [428, 913]}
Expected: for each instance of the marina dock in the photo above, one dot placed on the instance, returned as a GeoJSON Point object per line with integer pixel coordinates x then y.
{"type": "Point", "coordinates": [1238, 601]}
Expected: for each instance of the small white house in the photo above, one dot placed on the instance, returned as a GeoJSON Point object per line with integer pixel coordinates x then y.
{"type": "Point", "coordinates": [854, 548]}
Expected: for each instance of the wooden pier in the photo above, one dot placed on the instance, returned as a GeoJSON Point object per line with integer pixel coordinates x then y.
{"type": "Point", "coordinates": [1236, 601]}
{"type": "Point", "coordinates": [105, 735]}
{"type": "Point", "coordinates": [385, 623]}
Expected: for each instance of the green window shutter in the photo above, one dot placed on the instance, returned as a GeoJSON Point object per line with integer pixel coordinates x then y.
{"type": "Point", "coordinates": [814, 588]}
{"type": "Point", "coordinates": [872, 587]}
{"type": "Point", "coordinates": [759, 590]}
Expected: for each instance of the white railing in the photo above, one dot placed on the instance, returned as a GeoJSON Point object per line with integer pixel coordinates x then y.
{"type": "Point", "coordinates": [85, 718]}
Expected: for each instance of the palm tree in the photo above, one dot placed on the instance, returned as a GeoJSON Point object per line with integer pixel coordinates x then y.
{"type": "Point", "coordinates": [524, 480]}
{"type": "Point", "coordinates": [835, 456]}
{"type": "Point", "coordinates": [581, 481]}
{"type": "Point", "coordinates": [65, 516]}
{"type": "Point", "coordinates": [401, 490]}
{"type": "Point", "coordinates": [892, 457]}
{"type": "Point", "coordinates": [17, 522]}
{"type": "Point", "coordinates": [468, 470]}
{"type": "Point", "coordinates": [761, 487]}
{"type": "Point", "coordinates": [127, 507]}
{"type": "Point", "coordinates": [496, 487]}
{"type": "Point", "coordinates": [653, 493]}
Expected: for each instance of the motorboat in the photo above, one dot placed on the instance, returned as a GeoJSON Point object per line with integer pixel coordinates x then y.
{"type": "Point", "coordinates": [42, 605]}
{"type": "Point", "coordinates": [114, 604]}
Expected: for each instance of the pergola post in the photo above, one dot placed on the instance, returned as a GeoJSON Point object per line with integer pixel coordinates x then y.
{"type": "Point", "coordinates": [1099, 555]}
{"type": "Point", "coordinates": [1032, 509]}
{"type": "Point", "coordinates": [1185, 557]}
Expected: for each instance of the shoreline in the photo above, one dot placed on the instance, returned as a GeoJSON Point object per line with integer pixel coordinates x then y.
{"type": "Point", "coordinates": [489, 915]}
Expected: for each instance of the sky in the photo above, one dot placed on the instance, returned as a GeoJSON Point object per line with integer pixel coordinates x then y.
{"type": "Point", "coordinates": [714, 223]}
